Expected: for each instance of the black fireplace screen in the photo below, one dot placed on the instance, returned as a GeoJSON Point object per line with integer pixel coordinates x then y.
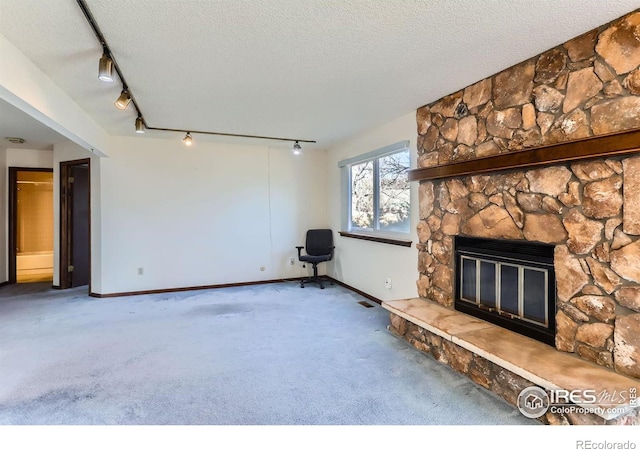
{"type": "Point", "coordinates": [509, 283]}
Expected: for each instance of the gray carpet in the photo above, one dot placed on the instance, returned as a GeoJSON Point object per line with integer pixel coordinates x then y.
{"type": "Point", "coordinates": [271, 354]}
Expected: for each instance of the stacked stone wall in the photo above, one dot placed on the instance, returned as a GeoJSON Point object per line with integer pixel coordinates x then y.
{"type": "Point", "coordinates": [590, 210]}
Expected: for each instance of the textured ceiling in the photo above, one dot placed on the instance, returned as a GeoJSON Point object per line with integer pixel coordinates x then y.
{"type": "Point", "coordinates": [309, 69]}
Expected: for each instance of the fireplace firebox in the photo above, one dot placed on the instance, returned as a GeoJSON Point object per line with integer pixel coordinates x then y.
{"type": "Point", "coordinates": [509, 283]}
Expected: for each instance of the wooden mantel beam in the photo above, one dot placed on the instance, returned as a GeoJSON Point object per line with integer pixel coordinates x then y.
{"type": "Point", "coordinates": [608, 145]}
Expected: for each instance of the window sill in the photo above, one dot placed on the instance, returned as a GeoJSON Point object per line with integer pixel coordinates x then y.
{"type": "Point", "coordinates": [373, 238]}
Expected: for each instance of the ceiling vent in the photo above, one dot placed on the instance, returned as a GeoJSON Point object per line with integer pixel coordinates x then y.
{"type": "Point", "coordinates": [16, 140]}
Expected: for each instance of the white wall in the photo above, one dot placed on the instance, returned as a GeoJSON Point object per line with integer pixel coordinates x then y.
{"type": "Point", "coordinates": [18, 157]}
{"type": "Point", "coordinates": [298, 202]}
{"type": "Point", "coordinates": [211, 214]}
{"type": "Point", "coordinates": [364, 264]}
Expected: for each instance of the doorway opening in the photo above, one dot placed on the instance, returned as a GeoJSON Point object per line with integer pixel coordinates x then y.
{"type": "Point", "coordinates": [30, 225]}
{"type": "Point", "coordinates": [75, 223]}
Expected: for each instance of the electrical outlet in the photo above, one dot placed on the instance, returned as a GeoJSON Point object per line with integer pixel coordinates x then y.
{"type": "Point", "coordinates": [140, 271]}
{"type": "Point", "coordinates": [387, 283]}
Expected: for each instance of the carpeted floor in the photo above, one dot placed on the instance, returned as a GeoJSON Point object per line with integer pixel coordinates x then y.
{"type": "Point", "coordinates": [271, 354]}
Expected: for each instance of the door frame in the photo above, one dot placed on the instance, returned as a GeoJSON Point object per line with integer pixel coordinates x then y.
{"type": "Point", "coordinates": [13, 218]}
{"type": "Point", "coordinates": [64, 280]}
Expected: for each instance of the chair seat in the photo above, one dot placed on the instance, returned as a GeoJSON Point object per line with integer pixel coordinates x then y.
{"type": "Point", "coordinates": [315, 259]}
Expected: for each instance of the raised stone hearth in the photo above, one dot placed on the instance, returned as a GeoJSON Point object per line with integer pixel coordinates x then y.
{"type": "Point", "coordinates": [590, 209]}
{"type": "Point", "coordinates": [507, 363]}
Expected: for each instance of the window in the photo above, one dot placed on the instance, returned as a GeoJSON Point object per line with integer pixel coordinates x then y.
{"type": "Point", "coordinates": [376, 191]}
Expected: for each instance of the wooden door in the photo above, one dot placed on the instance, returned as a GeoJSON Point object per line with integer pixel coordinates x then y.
{"type": "Point", "coordinates": [80, 238]}
{"type": "Point", "coordinates": [75, 223]}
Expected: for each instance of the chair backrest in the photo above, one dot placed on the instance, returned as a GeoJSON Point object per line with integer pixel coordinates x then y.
{"type": "Point", "coordinates": [319, 242]}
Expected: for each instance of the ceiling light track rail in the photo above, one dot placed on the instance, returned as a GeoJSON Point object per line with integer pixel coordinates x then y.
{"type": "Point", "coordinates": [213, 133]}
{"type": "Point", "coordinates": [107, 52]}
{"type": "Point", "coordinates": [141, 124]}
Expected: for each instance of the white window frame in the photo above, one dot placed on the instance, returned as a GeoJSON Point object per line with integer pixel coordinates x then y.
{"type": "Point", "coordinates": [345, 167]}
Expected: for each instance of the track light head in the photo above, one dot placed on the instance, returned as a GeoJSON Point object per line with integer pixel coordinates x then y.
{"type": "Point", "coordinates": [105, 69]}
{"type": "Point", "coordinates": [123, 100]}
{"type": "Point", "coordinates": [188, 140]}
{"type": "Point", "coordinates": [297, 149]}
{"type": "Point", "coordinates": [140, 125]}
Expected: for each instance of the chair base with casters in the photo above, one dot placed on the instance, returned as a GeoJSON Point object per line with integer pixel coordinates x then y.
{"type": "Point", "coordinates": [315, 279]}
{"type": "Point", "coordinates": [319, 248]}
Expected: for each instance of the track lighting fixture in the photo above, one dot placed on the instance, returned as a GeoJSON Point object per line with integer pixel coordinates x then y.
{"type": "Point", "coordinates": [108, 65]}
{"type": "Point", "coordinates": [105, 69]}
{"type": "Point", "coordinates": [140, 125]}
{"type": "Point", "coordinates": [123, 100]}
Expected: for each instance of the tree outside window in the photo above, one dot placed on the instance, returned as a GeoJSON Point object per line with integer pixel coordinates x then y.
{"type": "Point", "coordinates": [380, 195]}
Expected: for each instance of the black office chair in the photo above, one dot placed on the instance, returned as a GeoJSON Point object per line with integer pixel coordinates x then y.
{"type": "Point", "coordinates": [319, 248]}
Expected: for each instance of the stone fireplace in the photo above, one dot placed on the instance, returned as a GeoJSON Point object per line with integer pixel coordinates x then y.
{"type": "Point", "coordinates": [587, 210]}
{"type": "Point", "coordinates": [590, 210]}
